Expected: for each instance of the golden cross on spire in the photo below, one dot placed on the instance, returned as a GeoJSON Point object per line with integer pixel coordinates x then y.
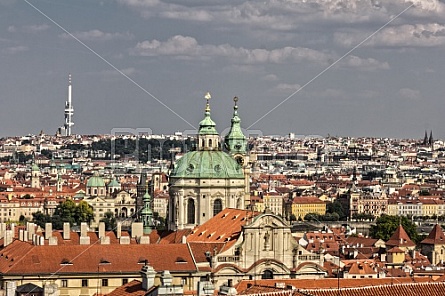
{"type": "Point", "coordinates": [207, 97]}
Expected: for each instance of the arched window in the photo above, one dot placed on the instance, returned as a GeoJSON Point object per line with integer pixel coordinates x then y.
{"type": "Point", "coordinates": [217, 206]}
{"type": "Point", "coordinates": [191, 211]}
{"type": "Point", "coordinates": [210, 142]}
{"type": "Point", "coordinates": [267, 275]}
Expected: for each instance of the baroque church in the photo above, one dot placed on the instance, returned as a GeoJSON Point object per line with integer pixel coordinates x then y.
{"type": "Point", "coordinates": [208, 180]}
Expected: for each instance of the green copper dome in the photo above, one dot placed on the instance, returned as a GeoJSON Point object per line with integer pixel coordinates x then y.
{"type": "Point", "coordinates": [207, 164]}
{"type": "Point", "coordinates": [114, 183]}
{"type": "Point", "coordinates": [96, 181]}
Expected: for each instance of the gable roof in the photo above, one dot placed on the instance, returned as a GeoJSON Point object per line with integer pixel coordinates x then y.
{"type": "Point", "coordinates": [212, 231]}
{"type": "Point", "coordinates": [400, 239]}
{"type": "Point", "coordinates": [133, 288]}
{"type": "Point", "coordinates": [24, 258]}
{"type": "Point", "coordinates": [435, 237]}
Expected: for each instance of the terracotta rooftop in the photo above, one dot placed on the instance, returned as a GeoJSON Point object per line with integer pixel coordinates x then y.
{"type": "Point", "coordinates": [133, 288]}
{"type": "Point", "coordinates": [436, 236]}
{"type": "Point", "coordinates": [212, 232]}
{"type": "Point", "coordinates": [330, 285]}
{"type": "Point", "coordinates": [400, 239]}
{"type": "Point", "coordinates": [24, 258]}
{"type": "Point", "coordinates": [412, 289]}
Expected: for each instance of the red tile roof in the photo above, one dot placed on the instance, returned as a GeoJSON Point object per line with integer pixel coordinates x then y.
{"type": "Point", "coordinates": [435, 237]}
{"type": "Point", "coordinates": [25, 258]}
{"type": "Point", "coordinates": [212, 232]}
{"type": "Point", "coordinates": [133, 288]}
{"type": "Point", "coordinates": [400, 239]}
{"type": "Point", "coordinates": [332, 283]}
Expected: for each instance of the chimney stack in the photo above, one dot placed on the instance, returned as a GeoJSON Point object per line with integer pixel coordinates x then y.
{"type": "Point", "coordinates": [119, 230]}
{"type": "Point", "coordinates": [84, 238]}
{"type": "Point", "coordinates": [48, 230]}
{"type": "Point", "coordinates": [66, 230]}
{"type": "Point", "coordinates": [148, 276]}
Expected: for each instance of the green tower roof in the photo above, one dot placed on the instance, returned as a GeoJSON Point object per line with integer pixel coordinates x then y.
{"type": "Point", "coordinates": [207, 126]}
{"type": "Point", "coordinates": [235, 140]}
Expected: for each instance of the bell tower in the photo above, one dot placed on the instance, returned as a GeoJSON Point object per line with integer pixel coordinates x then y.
{"type": "Point", "coordinates": [208, 137]}
{"type": "Point", "coordinates": [236, 144]}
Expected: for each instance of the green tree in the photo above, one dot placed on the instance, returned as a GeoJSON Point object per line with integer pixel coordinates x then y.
{"type": "Point", "coordinates": [84, 212]}
{"type": "Point", "coordinates": [40, 219]}
{"type": "Point", "coordinates": [312, 217]}
{"type": "Point", "coordinates": [109, 220]}
{"type": "Point", "coordinates": [68, 211]}
{"type": "Point", "coordinates": [336, 207]}
{"type": "Point", "coordinates": [386, 225]}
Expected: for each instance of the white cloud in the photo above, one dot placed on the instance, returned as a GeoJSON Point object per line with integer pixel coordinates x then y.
{"type": "Point", "coordinates": [283, 14]}
{"type": "Point", "coordinates": [139, 3]}
{"type": "Point", "coordinates": [418, 35]}
{"type": "Point", "coordinates": [97, 35]}
{"type": "Point", "coordinates": [130, 71]}
{"type": "Point", "coordinates": [15, 49]}
{"type": "Point", "coordinates": [270, 77]}
{"type": "Point", "coordinates": [408, 93]}
{"type": "Point", "coordinates": [36, 28]}
{"type": "Point", "coordinates": [188, 47]}
{"type": "Point", "coordinates": [195, 15]}
{"type": "Point", "coordinates": [185, 47]}
{"type": "Point", "coordinates": [287, 88]}
{"type": "Point", "coordinates": [365, 64]}
{"type": "Point", "coordinates": [29, 29]}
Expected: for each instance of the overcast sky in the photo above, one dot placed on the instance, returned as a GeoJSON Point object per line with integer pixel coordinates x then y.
{"type": "Point", "coordinates": [311, 67]}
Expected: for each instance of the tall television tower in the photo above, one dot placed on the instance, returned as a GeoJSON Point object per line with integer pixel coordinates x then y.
{"type": "Point", "coordinates": [69, 111]}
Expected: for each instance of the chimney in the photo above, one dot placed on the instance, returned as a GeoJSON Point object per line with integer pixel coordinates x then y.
{"type": "Point", "coordinates": [137, 229]}
{"type": "Point", "coordinates": [2, 229]}
{"type": "Point", "coordinates": [50, 290]}
{"type": "Point", "coordinates": [119, 230]}
{"type": "Point", "coordinates": [144, 240]}
{"type": "Point", "coordinates": [48, 230]}
{"type": "Point", "coordinates": [124, 240]}
{"type": "Point", "coordinates": [66, 230]}
{"type": "Point", "coordinates": [21, 235]}
{"type": "Point", "coordinates": [8, 237]}
{"type": "Point", "coordinates": [148, 276]}
{"type": "Point", "coordinates": [83, 229]}
{"type": "Point", "coordinates": [13, 229]}
{"type": "Point", "coordinates": [52, 241]}
{"type": "Point", "coordinates": [84, 238]}
{"type": "Point", "coordinates": [101, 230]}
{"type": "Point", "coordinates": [10, 288]}
{"type": "Point", "coordinates": [166, 278]}
{"type": "Point", "coordinates": [31, 230]}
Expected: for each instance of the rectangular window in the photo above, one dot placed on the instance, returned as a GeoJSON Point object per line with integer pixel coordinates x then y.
{"type": "Point", "coordinates": [84, 283]}
{"type": "Point", "coordinates": [104, 282]}
{"type": "Point", "coordinates": [64, 283]}
{"type": "Point", "coordinates": [124, 281]}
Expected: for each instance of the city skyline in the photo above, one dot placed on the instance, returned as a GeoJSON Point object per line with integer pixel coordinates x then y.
{"type": "Point", "coordinates": [346, 68]}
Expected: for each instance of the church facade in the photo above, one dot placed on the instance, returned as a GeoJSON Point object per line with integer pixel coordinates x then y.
{"type": "Point", "coordinates": [208, 180]}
